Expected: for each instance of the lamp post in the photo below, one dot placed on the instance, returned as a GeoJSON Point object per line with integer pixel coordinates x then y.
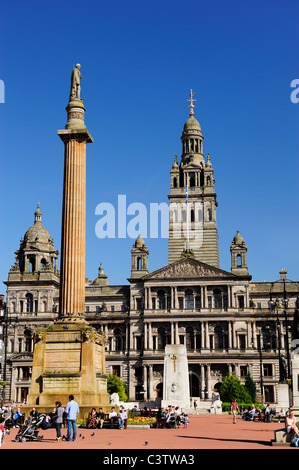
{"type": "Point", "coordinates": [274, 305]}
{"type": "Point", "coordinates": [261, 366]}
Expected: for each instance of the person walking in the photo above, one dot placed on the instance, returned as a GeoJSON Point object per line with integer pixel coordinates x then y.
{"type": "Point", "coordinates": [57, 419]}
{"type": "Point", "coordinates": [234, 409]}
{"type": "Point", "coordinates": [71, 410]}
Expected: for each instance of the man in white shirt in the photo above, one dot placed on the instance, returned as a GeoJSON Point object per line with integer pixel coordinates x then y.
{"type": "Point", "coordinates": [71, 410]}
{"type": "Point", "coordinates": [112, 416]}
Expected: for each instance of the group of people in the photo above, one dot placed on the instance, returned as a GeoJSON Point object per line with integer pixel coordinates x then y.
{"type": "Point", "coordinates": [96, 418]}
{"type": "Point", "coordinates": [173, 416]}
{"type": "Point", "coordinates": [253, 413]}
{"type": "Point", "coordinates": [55, 419]}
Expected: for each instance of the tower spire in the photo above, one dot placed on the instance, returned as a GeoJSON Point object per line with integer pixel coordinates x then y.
{"type": "Point", "coordinates": [191, 106]}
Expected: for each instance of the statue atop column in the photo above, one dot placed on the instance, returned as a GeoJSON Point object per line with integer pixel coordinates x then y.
{"type": "Point", "coordinates": [75, 82]}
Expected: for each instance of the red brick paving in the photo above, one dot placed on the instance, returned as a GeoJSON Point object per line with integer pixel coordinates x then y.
{"type": "Point", "coordinates": [203, 432]}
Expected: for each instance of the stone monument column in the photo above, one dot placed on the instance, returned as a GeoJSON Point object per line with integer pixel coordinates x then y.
{"type": "Point", "coordinates": [72, 270]}
{"type": "Point", "coordinates": [69, 355]}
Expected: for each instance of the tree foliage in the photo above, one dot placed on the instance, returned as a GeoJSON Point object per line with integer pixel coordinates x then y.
{"type": "Point", "coordinates": [232, 388]}
{"type": "Point", "coordinates": [116, 385]}
{"type": "Point", "coordinates": [250, 387]}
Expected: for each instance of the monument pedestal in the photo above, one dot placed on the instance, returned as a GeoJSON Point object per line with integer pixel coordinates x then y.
{"type": "Point", "coordinates": [69, 358]}
{"type": "Point", "coordinates": [176, 378]}
{"type": "Point", "coordinates": [295, 384]}
{"type": "Point", "coordinates": [283, 397]}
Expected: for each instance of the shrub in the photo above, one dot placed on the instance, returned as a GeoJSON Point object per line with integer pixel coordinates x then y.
{"type": "Point", "coordinates": [115, 385]}
{"type": "Point", "coordinates": [232, 388]}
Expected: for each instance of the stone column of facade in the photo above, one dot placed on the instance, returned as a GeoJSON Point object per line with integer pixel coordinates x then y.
{"type": "Point", "coordinates": [209, 381]}
{"type": "Point", "coordinates": [145, 336]}
{"type": "Point", "coordinates": [150, 336]}
{"type": "Point", "coordinates": [202, 378]}
{"type": "Point", "coordinates": [150, 374]}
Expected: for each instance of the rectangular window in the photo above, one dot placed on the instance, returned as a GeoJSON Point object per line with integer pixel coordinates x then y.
{"type": "Point", "coordinates": [181, 303]}
{"type": "Point", "coordinates": [267, 370]}
{"type": "Point", "coordinates": [138, 343]}
{"type": "Point", "coordinates": [242, 341]}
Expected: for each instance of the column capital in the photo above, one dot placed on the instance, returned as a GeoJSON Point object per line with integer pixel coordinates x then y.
{"type": "Point", "coordinates": [81, 135]}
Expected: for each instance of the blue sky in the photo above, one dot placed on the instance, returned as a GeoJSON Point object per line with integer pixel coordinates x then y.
{"type": "Point", "coordinates": [139, 61]}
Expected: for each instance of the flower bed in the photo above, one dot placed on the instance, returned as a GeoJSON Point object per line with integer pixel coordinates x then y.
{"type": "Point", "coordinates": [137, 420]}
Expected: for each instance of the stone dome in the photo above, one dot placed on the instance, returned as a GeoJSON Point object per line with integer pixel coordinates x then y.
{"type": "Point", "coordinates": [139, 243]}
{"type": "Point", "coordinates": [192, 124]}
{"type": "Point", "coordinates": [238, 239]}
{"type": "Point", "coordinates": [37, 233]}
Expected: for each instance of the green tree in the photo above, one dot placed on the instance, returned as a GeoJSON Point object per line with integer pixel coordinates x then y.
{"type": "Point", "coordinates": [250, 386]}
{"type": "Point", "coordinates": [116, 385]}
{"type": "Point", "coordinates": [232, 388]}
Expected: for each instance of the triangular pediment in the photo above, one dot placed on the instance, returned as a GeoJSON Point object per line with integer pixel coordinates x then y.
{"type": "Point", "coordinates": [188, 268]}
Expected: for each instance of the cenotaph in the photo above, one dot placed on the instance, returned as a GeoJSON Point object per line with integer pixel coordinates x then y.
{"type": "Point", "coordinates": [176, 377]}
{"type": "Point", "coordinates": [69, 355]}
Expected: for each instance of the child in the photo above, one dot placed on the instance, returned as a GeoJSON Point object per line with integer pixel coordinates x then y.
{"type": "Point", "coordinates": [185, 421]}
{"type": "Point", "coordinates": [2, 432]}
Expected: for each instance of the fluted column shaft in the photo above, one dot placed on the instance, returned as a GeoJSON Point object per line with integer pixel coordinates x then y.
{"type": "Point", "coordinates": [72, 276]}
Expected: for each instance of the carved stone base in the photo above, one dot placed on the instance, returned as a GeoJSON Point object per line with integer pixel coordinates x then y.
{"type": "Point", "coordinates": [69, 358]}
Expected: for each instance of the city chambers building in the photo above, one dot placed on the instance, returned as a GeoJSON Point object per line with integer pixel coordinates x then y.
{"type": "Point", "coordinates": [228, 323]}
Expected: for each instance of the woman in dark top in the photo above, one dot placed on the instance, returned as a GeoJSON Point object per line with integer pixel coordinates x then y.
{"type": "Point", "coordinates": [58, 420]}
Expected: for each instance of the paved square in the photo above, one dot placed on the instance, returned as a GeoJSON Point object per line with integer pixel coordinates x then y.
{"type": "Point", "coordinates": [203, 432]}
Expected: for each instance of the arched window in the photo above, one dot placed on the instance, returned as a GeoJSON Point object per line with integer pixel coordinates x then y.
{"type": "Point", "coordinates": [209, 215]}
{"type": "Point", "coordinates": [239, 260]}
{"type": "Point", "coordinates": [175, 182]}
{"type": "Point", "coordinates": [189, 338]}
{"type": "Point", "coordinates": [29, 303]}
{"type": "Point", "coordinates": [219, 338]}
{"type": "Point", "coordinates": [268, 341]}
{"type": "Point", "coordinates": [161, 300]}
{"type": "Point", "coordinates": [42, 263]}
{"type": "Point", "coordinates": [28, 340]}
{"type": "Point", "coordinates": [32, 264]}
{"type": "Point", "coordinates": [117, 339]}
{"type": "Point", "coordinates": [217, 298]}
{"type": "Point", "coordinates": [189, 300]}
{"type": "Point", "coordinates": [192, 180]}
{"type": "Point", "coordinates": [192, 215]}
{"type": "Point", "coordinates": [138, 264]}
{"type": "Point", "coordinates": [161, 338]}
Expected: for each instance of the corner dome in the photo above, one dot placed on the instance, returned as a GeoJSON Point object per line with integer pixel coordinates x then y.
{"type": "Point", "coordinates": [37, 233]}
